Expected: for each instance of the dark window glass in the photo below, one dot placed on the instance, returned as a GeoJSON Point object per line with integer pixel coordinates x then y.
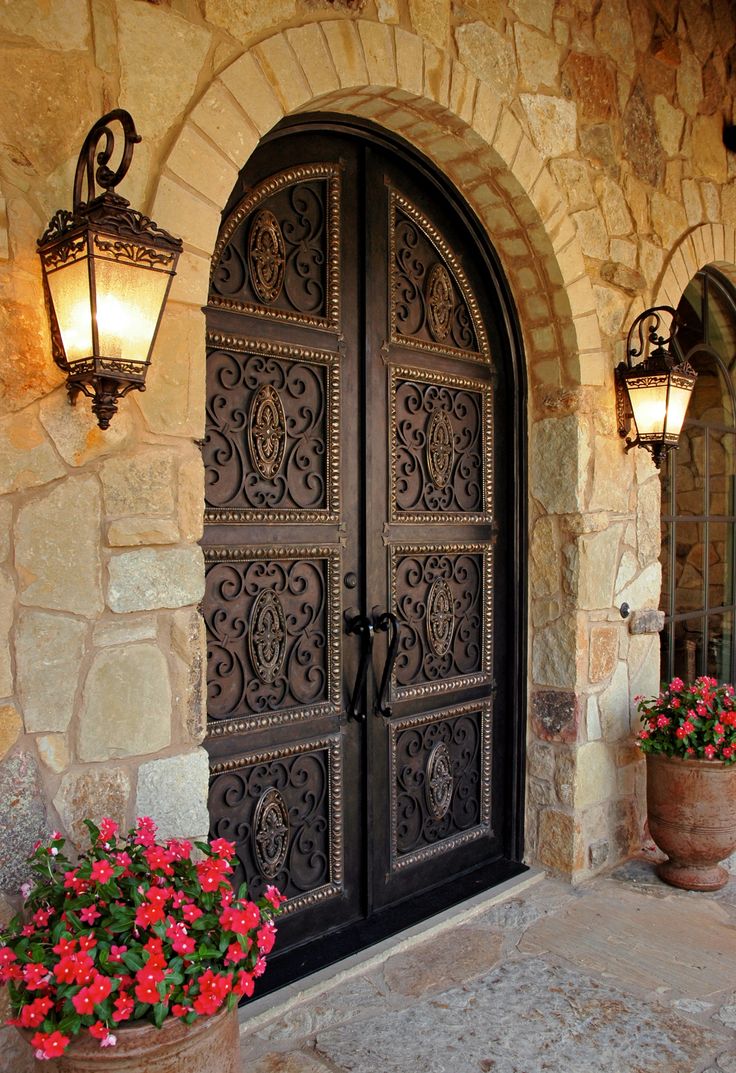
{"type": "Point", "coordinates": [698, 502]}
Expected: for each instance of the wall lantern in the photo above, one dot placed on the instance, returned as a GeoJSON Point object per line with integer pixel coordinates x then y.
{"type": "Point", "coordinates": [655, 392]}
{"type": "Point", "coordinates": [107, 270]}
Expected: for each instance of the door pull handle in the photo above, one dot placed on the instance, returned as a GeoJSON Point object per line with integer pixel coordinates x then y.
{"type": "Point", "coordinates": [363, 627]}
{"type": "Point", "coordinates": [389, 623]}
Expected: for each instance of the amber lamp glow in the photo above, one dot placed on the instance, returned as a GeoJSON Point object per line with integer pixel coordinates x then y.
{"type": "Point", "coordinates": [107, 271]}
{"type": "Point", "coordinates": [655, 392]}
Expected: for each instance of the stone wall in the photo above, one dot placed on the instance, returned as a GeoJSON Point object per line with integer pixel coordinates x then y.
{"type": "Point", "coordinates": [590, 147]}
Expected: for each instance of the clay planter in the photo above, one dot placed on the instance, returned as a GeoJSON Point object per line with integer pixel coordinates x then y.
{"type": "Point", "coordinates": [692, 818]}
{"type": "Point", "coordinates": [208, 1045]}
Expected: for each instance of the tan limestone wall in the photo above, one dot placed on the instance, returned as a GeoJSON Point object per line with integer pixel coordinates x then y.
{"type": "Point", "coordinates": [589, 146]}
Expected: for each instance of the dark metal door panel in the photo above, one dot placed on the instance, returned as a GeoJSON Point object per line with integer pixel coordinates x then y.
{"type": "Point", "coordinates": [433, 520]}
{"type": "Point", "coordinates": [281, 495]}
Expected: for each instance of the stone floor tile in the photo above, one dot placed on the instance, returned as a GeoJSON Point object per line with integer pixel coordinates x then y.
{"type": "Point", "coordinates": [527, 1016]}
{"type": "Point", "coordinates": [453, 957]}
{"type": "Point", "coordinates": [610, 931]}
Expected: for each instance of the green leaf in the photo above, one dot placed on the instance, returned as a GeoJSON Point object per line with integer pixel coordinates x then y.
{"type": "Point", "coordinates": [160, 1012]}
{"type": "Point", "coordinates": [132, 961]}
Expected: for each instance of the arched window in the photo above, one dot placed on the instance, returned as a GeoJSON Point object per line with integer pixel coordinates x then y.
{"type": "Point", "coordinates": [698, 505]}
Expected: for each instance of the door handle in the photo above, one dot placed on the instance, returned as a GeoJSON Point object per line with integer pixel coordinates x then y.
{"type": "Point", "coordinates": [389, 623]}
{"type": "Point", "coordinates": [363, 627]}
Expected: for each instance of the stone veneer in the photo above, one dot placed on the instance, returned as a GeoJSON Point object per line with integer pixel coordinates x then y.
{"type": "Point", "coordinates": [590, 148]}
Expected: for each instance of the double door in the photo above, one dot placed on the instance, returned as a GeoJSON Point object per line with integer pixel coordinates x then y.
{"type": "Point", "coordinates": [359, 543]}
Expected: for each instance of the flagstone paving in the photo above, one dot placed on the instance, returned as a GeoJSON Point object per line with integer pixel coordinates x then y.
{"type": "Point", "coordinates": [620, 975]}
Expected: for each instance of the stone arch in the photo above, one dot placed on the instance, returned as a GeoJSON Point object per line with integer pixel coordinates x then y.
{"type": "Point", "coordinates": [404, 83]}
{"type": "Point", "coordinates": [704, 245]}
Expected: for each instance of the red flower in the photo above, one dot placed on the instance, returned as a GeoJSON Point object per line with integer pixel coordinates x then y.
{"type": "Point", "coordinates": [235, 953]}
{"type": "Point", "coordinates": [108, 829]}
{"type": "Point", "coordinates": [213, 990]}
{"type": "Point", "coordinates": [710, 751]}
{"type": "Point", "coordinates": [266, 937]}
{"type": "Point", "coordinates": [159, 860]}
{"type": "Point", "coordinates": [191, 913]}
{"type": "Point", "coordinates": [211, 872]}
{"type": "Point", "coordinates": [36, 976]}
{"type": "Point", "coordinates": [274, 896]}
{"type": "Point", "coordinates": [116, 952]}
{"type": "Point", "coordinates": [124, 1005]}
{"type": "Point", "coordinates": [49, 1044]}
{"type": "Point", "coordinates": [83, 1002]}
{"type": "Point", "coordinates": [99, 1030]}
{"type": "Point", "coordinates": [34, 1014]}
{"type": "Point", "coordinates": [222, 848]}
{"type": "Point", "coordinates": [145, 831]}
{"type": "Point", "coordinates": [240, 920]}
{"type": "Point", "coordinates": [102, 872]}
{"type": "Point", "coordinates": [244, 984]}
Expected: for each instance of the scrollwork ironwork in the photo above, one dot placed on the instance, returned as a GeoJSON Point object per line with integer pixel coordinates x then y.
{"type": "Point", "coordinates": [271, 448]}
{"type": "Point", "coordinates": [433, 307]}
{"type": "Point", "coordinates": [442, 595]}
{"type": "Point", "coordinates": [272, 619]}
{"type": "Point", "coordinates": [441, 782]}
{"type": "Point", "coordinates": [278, 254]}
{"type": "Point", "coordinates": [441, 447]}
{"type": "Point", "coordinates": [283, 810]}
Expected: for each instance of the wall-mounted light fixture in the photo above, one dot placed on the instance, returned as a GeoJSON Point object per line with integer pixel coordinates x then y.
{"type": "Point", "coordinates": [655, 392]}
{"type": "Point", "coordinates": [107, 270]}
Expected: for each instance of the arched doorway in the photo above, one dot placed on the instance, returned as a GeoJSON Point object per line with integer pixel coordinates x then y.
{"type": "Point", "coordinates": [364, 541]}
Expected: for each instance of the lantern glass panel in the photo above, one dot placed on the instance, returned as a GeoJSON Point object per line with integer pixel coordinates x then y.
{"type": "Point", "coordinates": [69, 289]}
{"type": "Point", "coordinates": [677, 404]}
{"type": "Point", "coordinates": [649, 405]}
{"type": "Point", "coordinates": [129, 300]}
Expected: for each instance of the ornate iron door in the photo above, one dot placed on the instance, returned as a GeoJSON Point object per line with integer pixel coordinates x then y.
{"type": "Point", "coordinates": [355, 385]}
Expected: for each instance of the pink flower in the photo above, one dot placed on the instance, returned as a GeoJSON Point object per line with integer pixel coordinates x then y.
{"type": "Point", "coordinates": [710, 751]}
{"type": "Point", "coordinates": [89, 914]}
{"type": "Point", "coordinates": [116, 952]}
{"type": "Point", "coordinates": [676, 685]}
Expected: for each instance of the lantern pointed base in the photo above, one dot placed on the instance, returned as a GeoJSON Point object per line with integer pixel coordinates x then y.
{"type": "Point", "coordinates": [105, 393]}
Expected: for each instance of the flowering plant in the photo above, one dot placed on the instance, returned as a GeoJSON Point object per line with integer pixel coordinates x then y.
{"type": "Point", "coordinates": [695, 722]}
{"type": "Point", "coordinates": [133, 931]}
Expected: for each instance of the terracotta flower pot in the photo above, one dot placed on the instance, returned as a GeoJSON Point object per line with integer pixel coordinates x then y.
{"type": "Point", "coordinates": [692, 818]}
{"type": "Point", "coordinates": [208, 1045]}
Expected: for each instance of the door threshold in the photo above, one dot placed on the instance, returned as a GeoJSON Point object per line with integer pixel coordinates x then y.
{"type": "Point", "coordinates": [259, 1010]}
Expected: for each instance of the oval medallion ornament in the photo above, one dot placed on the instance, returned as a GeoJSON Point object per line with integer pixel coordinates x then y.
{"type": "Point", "coordinates": [440, 450]}
{"type": "Point", "coordinates": [440, 616]}
{"type": "Point", "coordinates": [267, 636]}
{"type": "Point", "coordinates": [270, 833]}
{"type": "Point", "coordinates": [267, 431]}
{"type": "Point", "coordinates": [439, 783]}
{"type": "Point", "coordinates": [438, 293]}
{"type": "Point", "coordinates": [266, 257]}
